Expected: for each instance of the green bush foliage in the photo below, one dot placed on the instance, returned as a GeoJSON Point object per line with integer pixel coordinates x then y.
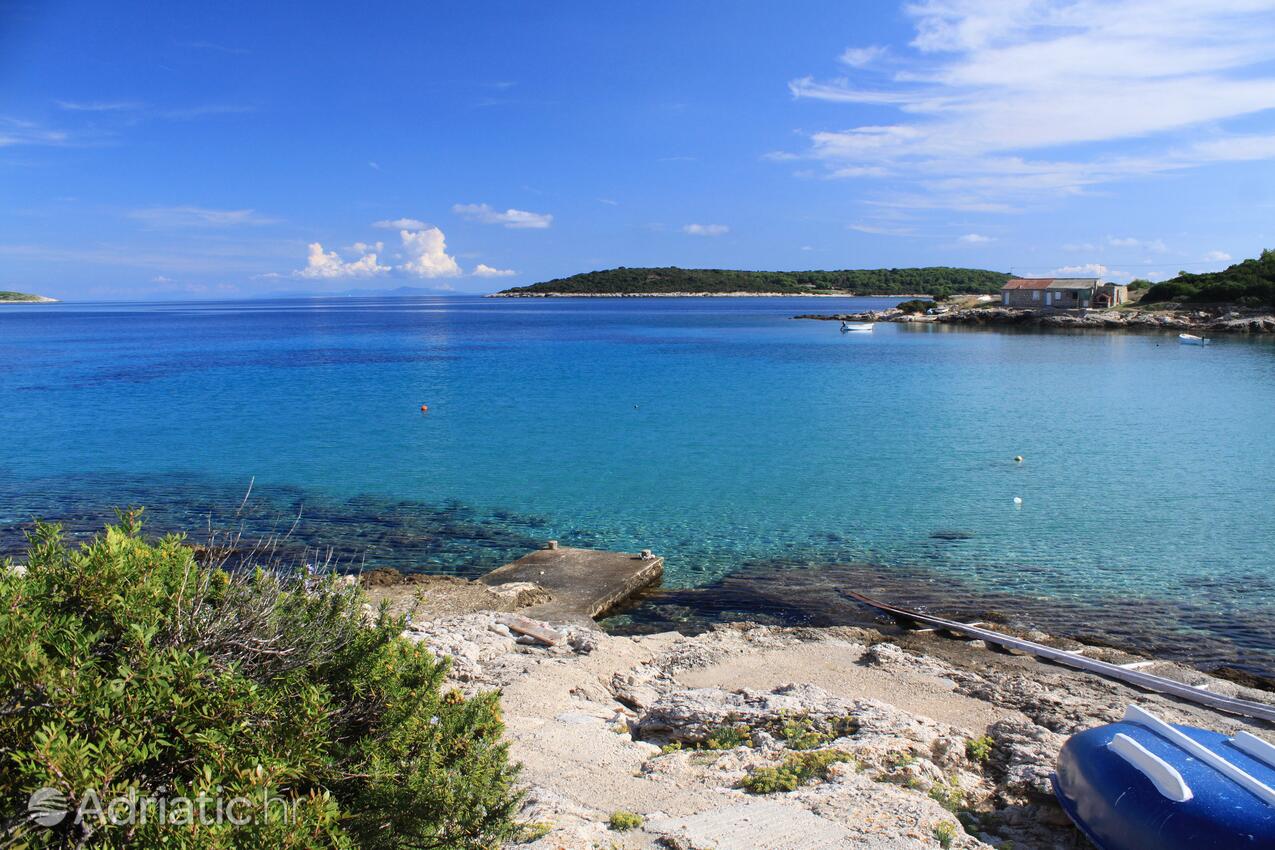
{"type": "Point", "coordinates": [980, 749]}
{"type": "Point", "coordinates": [794, 771]}
{"type": "Point", "coordinates": [934, 280]}
{"type": "Point", "coordinates": [622, 821]}
{"type": "Point", "coordinates": [945, 834]}
{"type": "Point", "coordinates": [1251, 282]}
{"type": "Point", "coordinates": [126, 668]}
{"type": "Point", "coordinates": [916, 305]}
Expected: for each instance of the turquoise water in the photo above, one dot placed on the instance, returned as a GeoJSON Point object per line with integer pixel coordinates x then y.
{"type": "Point", "coordinates": [719, 432]}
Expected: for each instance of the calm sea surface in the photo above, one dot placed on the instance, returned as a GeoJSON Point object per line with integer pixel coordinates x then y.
{"type": "Point", "coordinates": [775, 462]}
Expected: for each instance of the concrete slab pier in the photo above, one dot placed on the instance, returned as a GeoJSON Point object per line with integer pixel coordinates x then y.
{"type": "Point", "coordinates": [584, 583]}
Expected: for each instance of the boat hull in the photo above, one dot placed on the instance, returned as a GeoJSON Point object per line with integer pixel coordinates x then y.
{"type": "Point", "coordinates": [1118, 807]}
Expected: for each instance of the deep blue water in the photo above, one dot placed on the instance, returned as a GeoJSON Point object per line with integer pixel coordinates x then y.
{"type": "Point", "coordinates": [719, 432]}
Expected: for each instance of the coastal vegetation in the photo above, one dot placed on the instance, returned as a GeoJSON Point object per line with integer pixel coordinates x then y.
{"type": "Point", "coordinates": [7, 295]}
{"type": "Point", "coordinates": [1250, 283]}
{"type": "Point", "coordinates": [935, 280]}
{"type": "Point", "coordinates": [129, 671]}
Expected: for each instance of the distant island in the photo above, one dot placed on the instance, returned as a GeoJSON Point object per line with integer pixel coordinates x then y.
{"type": "Point", "coordinates": [672, 281]}
{"type": "Point", "coordinates": [23, 298]}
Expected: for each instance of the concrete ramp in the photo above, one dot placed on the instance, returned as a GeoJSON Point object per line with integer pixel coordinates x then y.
{"type": "Point", "coordinates": [584, 583]}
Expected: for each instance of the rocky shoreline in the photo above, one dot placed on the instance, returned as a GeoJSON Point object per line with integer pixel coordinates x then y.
{"type": "Point", "coordinates": [511, 294]}
{"type": "Point", "coordinates": [758, 737]}
{"type": "Point", "coordinates": [1211, 320]}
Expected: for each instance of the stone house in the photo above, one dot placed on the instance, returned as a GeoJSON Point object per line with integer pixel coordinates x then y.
{"type": "Point", "coordinates": [1062, 293]}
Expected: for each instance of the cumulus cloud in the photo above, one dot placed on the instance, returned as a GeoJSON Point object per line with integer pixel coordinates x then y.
{"type": "Point", "coordinates": [426, 252]}
{"type": "Point", "coordinates": [975, 238]}
{"type": "Point", "coordinates": [328, 265]}
{"type": "Point", "coordinates": [992, 86]}
{"type": "Point", "coordinates": [706, 229]}
{"type": "Point", "coordinates": [401, 224]}
{"type": "Point", "coordinates": [484, 270]}
{"type": "Point", "coordinates": [511, 218]}
{"type": "Point", "coordinates": [1087, 270]}
{"type": "Point", "coordinates": [1218, 257]}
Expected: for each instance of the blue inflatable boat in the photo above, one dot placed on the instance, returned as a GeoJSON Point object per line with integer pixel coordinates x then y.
{"type": "Point", "coordinates": [1143, 784]}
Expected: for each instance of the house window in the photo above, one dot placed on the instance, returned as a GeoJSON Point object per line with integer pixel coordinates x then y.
{"type": "Point", "coordinates": [1004, 297]}
{"type": "Point", "coordinates": [1035, 294]}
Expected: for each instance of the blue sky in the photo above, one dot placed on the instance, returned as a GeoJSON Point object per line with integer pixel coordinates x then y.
{"type": "Point", "coordinates": [230, 149]}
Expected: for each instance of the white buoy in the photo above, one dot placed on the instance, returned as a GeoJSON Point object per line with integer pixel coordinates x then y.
{"type": "Point", "coordinates": [1018, 458]}
{"type": "Point", "coordinates": [1018, 500]}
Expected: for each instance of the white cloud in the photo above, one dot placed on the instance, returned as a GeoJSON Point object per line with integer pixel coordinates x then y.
{"type": "Point", "coordinates": [706, 229]}
{"type": "Point", "coordinates": [327, 265]}
{"type": "Point", "coordinates": [14, 131]}
{"type": "Point", "coordinates": [881, 230]}
{"type": "Point", "coordinates": [191, 216]}
{"type": "Point", "coordinates": [1087, 270]}
{"type": "Point", "coordinates": [975, 238]}
{"type": "Point", "coordinates": [511, 218]}
{"type": "Point", "coordinates": [98, 105]}
{"type": "Point", "coordinates": [1218, 257]}
{"type": "Point", "coordinates": [366, 247]}
{"type": "Point", "coordinates": [858, 57]}
{"type": "Point", "coordinates": [1155, 245]}
{"type": "Point", "coordinates": [484, 270]}
{"type": "Point", "coordinates": [992, 82]}
{"type": "Point", "coordinates": [427, 254]}
{"type": "Point", "coordinates": [401, 224]}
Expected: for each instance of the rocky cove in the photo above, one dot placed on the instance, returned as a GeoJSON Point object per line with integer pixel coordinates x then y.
{"type": "Point", "coordinates": [754, 737]}
{"type": "Point", "coordinates": [1211, 320]}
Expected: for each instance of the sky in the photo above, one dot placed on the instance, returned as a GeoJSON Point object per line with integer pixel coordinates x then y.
{"type": "Point", "coordinates": [201, 150]}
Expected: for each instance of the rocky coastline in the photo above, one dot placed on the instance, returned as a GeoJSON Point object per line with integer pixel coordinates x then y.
{"type": "Point", "coordinates": [514, 294]}
{"type": "Point", "coordinates": [758, 737]}
{"type": "Point", "coordinates": [1208, 320]}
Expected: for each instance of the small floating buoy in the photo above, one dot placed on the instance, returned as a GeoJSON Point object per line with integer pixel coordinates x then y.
{"type": "Point", "coordinates": [424, 408]}
{"type": "Point", "coordinates": [1018, 500]}
{"type": "Point", "coordinates": [1018, 458]}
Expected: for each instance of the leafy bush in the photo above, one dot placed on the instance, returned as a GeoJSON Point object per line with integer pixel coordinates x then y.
{"type": "Point", "coordinates": [945, 834]}
{"type": "Point", "coordinates": [128, 669]}
{"type": "Point", "coordinates": [1251, 282]}
{"type": "Point", "coordinates": [916, 305]}
{"type": "Point", "coordinates": [795, 770]}
{"type": "Point", "coordinates": [622, 821]}
{"type": "Point", "coordinates": [980, 749]}
{"type": "Point", "coordinates": [949, 795]}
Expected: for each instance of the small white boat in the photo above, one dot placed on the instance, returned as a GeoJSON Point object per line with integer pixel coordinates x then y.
{"type": "Point", "coordinates": [1190, 339]}
{"type": "Point", "coordinates": [849, 327]}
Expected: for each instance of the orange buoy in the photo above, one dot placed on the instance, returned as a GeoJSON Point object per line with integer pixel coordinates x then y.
{"type": "Point", "coordinates": [424, 407]}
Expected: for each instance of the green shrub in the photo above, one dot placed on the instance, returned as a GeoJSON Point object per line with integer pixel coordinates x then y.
{"type": "Point", "coordinates": [945, 834]}
{"type": "Point", "coordinates": [949, 795]}
{"type": "Point", "coordinates": [126, 668]}
{"type": "Point", "coordinates": [916, 305]}
{"type": "Point", "coordinates": [622, 821]}
{"type": "Point", "coordinates": [980, 749]}
{"type": "Point", "coordinates": [795, 770]}
{"type": "Point", "coordinates": [728, 738]}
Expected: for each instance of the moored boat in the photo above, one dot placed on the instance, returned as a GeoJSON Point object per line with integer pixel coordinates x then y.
{"type": "Point", "coordinates": [1192, 339]}
{"type": "Point", "coordinates": [1142, 783]}
{"type": "Point", "coordinates": [848, 327]}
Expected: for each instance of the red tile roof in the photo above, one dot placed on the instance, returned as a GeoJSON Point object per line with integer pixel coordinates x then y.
{"type": "Point", "coordinates": [1048, 282]}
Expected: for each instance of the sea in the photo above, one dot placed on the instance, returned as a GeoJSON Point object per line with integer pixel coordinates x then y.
{"type": "Point", "coordinates": [776, 463]}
